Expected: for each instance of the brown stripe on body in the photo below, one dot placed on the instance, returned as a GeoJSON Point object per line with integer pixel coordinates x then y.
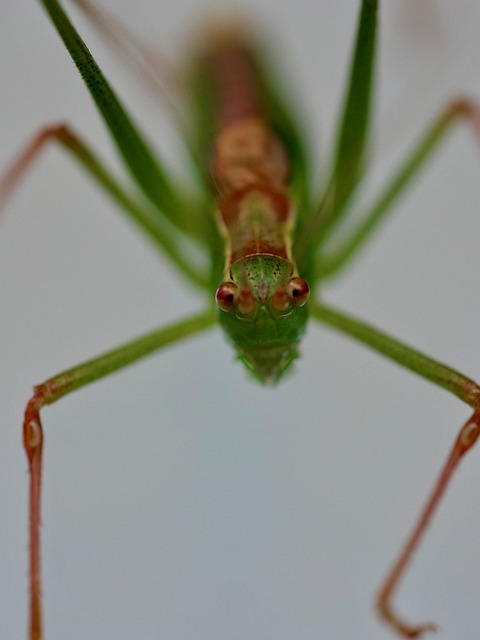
{"type": "Point", "coordinates": [249, 168]}
{"type": "Point", "coordinates": [235, 81]}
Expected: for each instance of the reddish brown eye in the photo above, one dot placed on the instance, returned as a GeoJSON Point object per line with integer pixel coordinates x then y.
{"type": "Point", "coordinates": [226, 296]}
{"type": "Point", "coordinates": [299, 291]}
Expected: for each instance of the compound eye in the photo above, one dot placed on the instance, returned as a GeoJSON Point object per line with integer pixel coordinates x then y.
{"type": "Point", "coordinates": [226, 296]}
{"type": "Point", "coordinates": [299, 291]}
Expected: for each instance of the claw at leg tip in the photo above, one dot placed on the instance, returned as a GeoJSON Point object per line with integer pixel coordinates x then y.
{"type": "Point", "coordinates": [417, 632]}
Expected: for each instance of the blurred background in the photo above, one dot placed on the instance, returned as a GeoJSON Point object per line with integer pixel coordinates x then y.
{"type": "Point", "coordinates": [181, 500]}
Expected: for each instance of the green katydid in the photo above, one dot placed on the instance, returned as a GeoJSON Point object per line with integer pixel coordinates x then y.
{"type": "Point", "coordinates": [312, 230]}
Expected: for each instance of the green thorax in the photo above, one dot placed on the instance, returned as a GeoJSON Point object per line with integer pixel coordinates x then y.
{"type": "Point", "coordinates": [250, 172]}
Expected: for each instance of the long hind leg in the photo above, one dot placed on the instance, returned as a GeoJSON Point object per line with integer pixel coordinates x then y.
{"type": "Point", "coordinates": [460, 385]}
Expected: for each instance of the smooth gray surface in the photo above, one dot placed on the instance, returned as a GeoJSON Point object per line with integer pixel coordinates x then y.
{"type": "Point", "coordinates": [181, 501]}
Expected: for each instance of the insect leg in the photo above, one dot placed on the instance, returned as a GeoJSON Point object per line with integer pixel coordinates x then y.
{"type": "Point", "coordinates": [145, 168]}
{"type": "Point", "coordinates": [352, 136]}
{"type": "Point", "coordinates": [153, 69]}
{"type": "Point", "coordinates": [157, 74]}
{"type": "Point", "coordinates": [59, 386]}
{"type": "Point", "coordinates": [441, 375]}
{"type": "Point", "coordinates": [330, 264]}
{"type": "Point", "coordinates": [466, 438]}
{"type": "Point", "coordinates": [137, 210]}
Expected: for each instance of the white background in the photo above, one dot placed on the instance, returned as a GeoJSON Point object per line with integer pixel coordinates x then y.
{"type": "Point", "coordinates": [181, 500]}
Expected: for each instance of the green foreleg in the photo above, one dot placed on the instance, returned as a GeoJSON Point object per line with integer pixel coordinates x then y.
{"type": "Point", "coordinates": [156, 230]}
{"type": "Point", "coordinates": [438, 373]}
{"type": "Point", "coordinates": [455, 382]}
{"type": "Point", "coordinates": [60, 385]}
{"type": "Point", "coordinates": [330, 264]}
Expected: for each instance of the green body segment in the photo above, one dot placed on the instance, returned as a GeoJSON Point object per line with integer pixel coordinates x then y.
{"type": "Point", "coordinates": [268, 344]}
{"type": "Point", "coordinates": [256, 213]}
{"type": "Point", "coordinates": [262, 274]}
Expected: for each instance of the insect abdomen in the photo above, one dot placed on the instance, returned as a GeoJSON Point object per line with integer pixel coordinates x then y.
{"type": "Point", "coordinates": [249, 168]}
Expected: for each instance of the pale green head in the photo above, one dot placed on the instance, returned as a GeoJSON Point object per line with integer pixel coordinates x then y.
{"type": "Point", "coordinates": [264, 314]}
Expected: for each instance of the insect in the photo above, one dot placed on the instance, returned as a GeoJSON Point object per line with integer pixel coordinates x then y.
{"type": "Point", "coordinates": [229, 404]}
